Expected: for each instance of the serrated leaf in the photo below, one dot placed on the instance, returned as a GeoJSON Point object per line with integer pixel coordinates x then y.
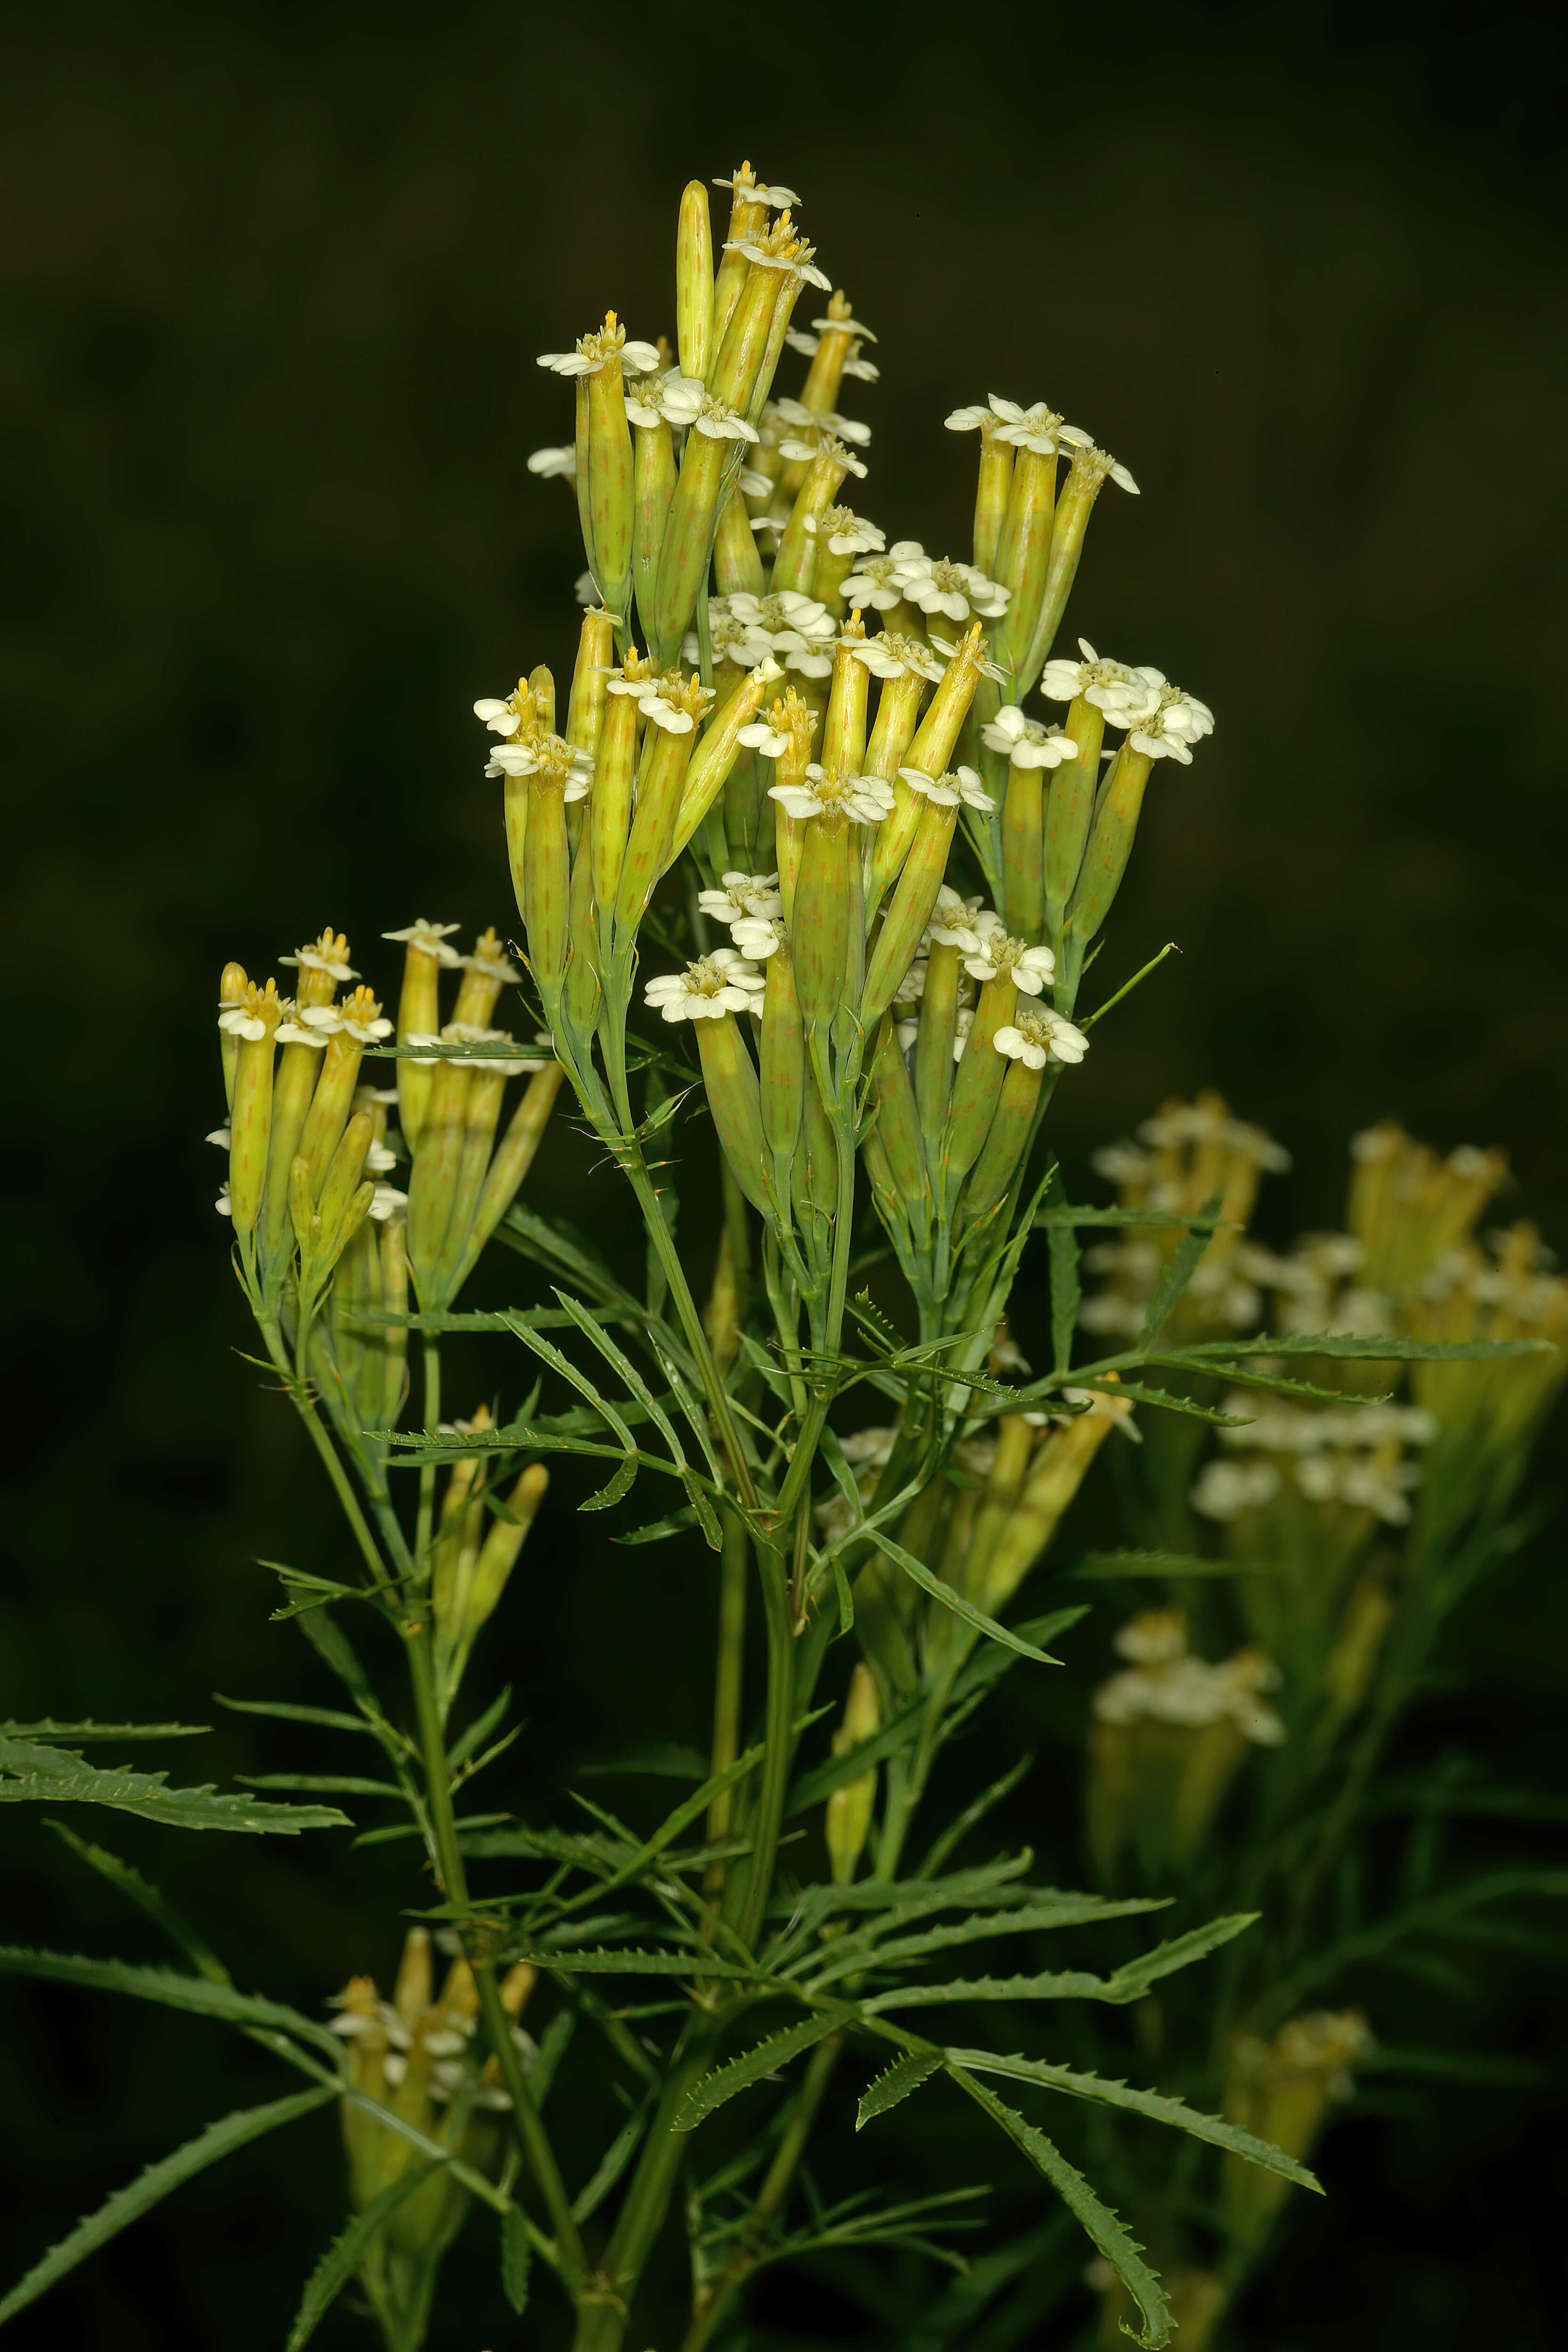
{"type": "Point", "coordinates": [1183, 1264]}
{"type": "Point", "coordinates": [655, 1531]}
{"type": "Point", "coordinates": [1098, 1565]}
{"type": "Point", "coordinates": [1156, 2105]}
{"type": "Point", "coordinates": [919, 1573]}
{"type": "Point", "coordinates": [1104, 2230]}
{"type": "Point", "coordinates": [347, 2251]}
{"type": "Point", "coordinates": [336, 1784]}
{"type": "Point", "coordinates": [49, 1730]}
{"type": "Point", "coordinates": [1167, 1399]}
{"type": "Point", "coordinates": [1132, 1982]}
{"type": "Point", "coordinates": [614, 1962]}
{"type": "Point", "coordinates": [902, 2078]}
{"type": "Point", "coordinates": [1067, 1984]}
{"type": "Point", "coordinates": [1389, 1349]}
{"type": "Point", "coordinates": [713, 2090]}
{"type": "Point", "coordinates": [516, 2259]}
{"type": "Point", "coordinates": [327, 1718]}
{"type": "Point", "coordinates": [614, 1487]}
{"type": "Point", "coordinates": [129, 1883]}
{"type": "Point", "coordinates": [1062, 1911]}
{"type": "Point", "coordinates": [1275, 1383]}
{"type": "Point", "coordinates": [33, 1774]}
{"type": "Point", "coordinates": [201, 1996]}
{"type": "Point", "coordinates": [128, 2204]}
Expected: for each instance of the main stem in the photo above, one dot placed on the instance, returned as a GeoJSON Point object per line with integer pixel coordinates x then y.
{"type": "Point", "coordinates": [448, 1857]}
{"type": "Point", "coordinates": [728, 1679]}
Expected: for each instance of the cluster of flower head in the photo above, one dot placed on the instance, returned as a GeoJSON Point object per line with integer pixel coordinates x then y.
{"type": "Point", "coordinates": [1353, 1455]}
{"type": "Point", "coordinates": [1165, 1684]}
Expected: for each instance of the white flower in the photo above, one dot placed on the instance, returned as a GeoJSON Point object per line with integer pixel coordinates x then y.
{"type": "Point", "coordinates": [955, 589]}
{"type": "Point", "coordinates": [894, 655]}
{"type": "Point", "coordinates": [844, 533]}
{"type": "Point", "coordinates": [715, 984]}
{"type": "Point", "coordinates": [238, 1023]}
{"type": "Point", "coordinates": [1039, 1035]}
{"type": "Point", "coordinates": [742, 895]}
{"type": "Point", "coordinates": [982, 667]}
{"type": "Point", "coordinates": [386, 1202]}
{"type": "Point", "coordinates": [1091, 466]}
{"type": "Point", "coordinates": [430, 938]}
{"type": "Point", "coordinates": [222, 1137]}
{"type": "Point", "coordinates": [592, 353]}
{"type": "Point", "coordinates": [1226, 1489]}
{"type": "Point", "coordinates": [354, 1021]}
{"type": "Point", "coordinates": [1111, 686]}
{"type": "Point", "coordinates": [744, 190]}
{"type": "Point", "coordinates": [730, 638]}
{"type": "Point", "coordinates": [223, 1204]}
{"type": "Point", "coordinates": [1023, 741]}
{"type": "Point", "coordinates": [647, 398]}
{"type": "Point", "coordinates": [1168, 730]}
{"type": "Point", "coordinates": [965, 1023]}
{"type": "Point", "coordinates": [295, 1033]}
{"type": "Point", "coordinates": [865, 798]}
{"type": "Point", "coordinates": [379, 1160]}
{"type": "Point", "coordinates": [685, 402]}
{"type": "Point", "coordinates": [776, 251]}
{"type": "Point", "coordinates": [548, 463]}
{"type": "Point", "coordinates": [501, 718]}
{"type": "Point", "coordinates": [912, 986]}
{"type": "Point", "coordinates": [823, 421]}
{"type": "Point", "coordinates": [753, 484]}
{"type": "Point", "coordinates": [758, 936]}
{"type": "Point", "coordinates": [319, 955]}
{"type": "Point", "coordinates": [1039, 427]}
{"type": "Point", "coordinates": [759, 736]}
{"type": "Point", "coordinates": [796, 629]}
{"type": "Point", "coordinates": [491, 967]}
{"type": "Point", "coordinates": [996, 956]}
{"type": "Point", "coordinates": [961, 784]}
{"type": "Point", "coordinates": [976, 419]}
{"type": "Point", "coordinates": [875, 586]}
{"type": "Point", "coordinates": [550, 758]}
{"type": "Point", "coordinates": [1120, 1163]}
{"type": "Point", "coordinates": [952, 922]}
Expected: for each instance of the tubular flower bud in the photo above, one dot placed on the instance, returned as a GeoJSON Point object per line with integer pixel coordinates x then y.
{"type": "Point", "coordinates": [978, 1086]}
{"type": "Point", "coordinates": [253, 1023]}
{"type": "Point", "coordinates": [749, 206]}
{"type": "Point", "coordinates": [541, 687]}
{"type": "Point", "coordinates": [610, 810]}
{"type": "Point", "coordinates": [849, 1820]}
{"type": "Point", "coordinates": [432, 1187]}
{"type": "Point", "coordinates": [1110, 845]}
{"type": "Point", "coordinates": [1282, 2090]}
{"type": "Point", "coordinates": [899, 1133]}
{"type": "Point", "coordinates": [913, 902]}
{"type": "Point", "coordinates": [1059, 1469]}
{"type": "Point", "coordinates": [513, 1160]}
{"type": "Point", "coordinates": [485, 973]}
{"type": "Point", "coordinates": [394, 1301]}
{"type": "Point", "coordinates": [346, 1198]}
{"type": "Point", "coordinates": [555, 774]}
{"type": "Point", "coordinates": [796, 562]}
{"type": "Point", "coordinates": [653, 488]}
{"type": "Point", "coordinates": [481, 1115]}
{"type": "Point", "coordinates": [419, 1009]}
{"type": "Point", "coordinates": [233, 988]}
{"type": "Point", "coordinates": [674, 711]}
{"type": "Point", "coordinates": [596, 658]}
{"type": "Point", "coordinates": [499, 1555]}
{"type": "Point", "coordinates": [716, 752]}
{"type": "Point", "coordinates": [694, 282]}
{"type": "Point", "coordinates": [825, 920]}
{"type": "Point", "coordinates": [781, 1056]}
{"type": "Point", "coordinates": [835, 339]}
{"type": "Point", "coordinates": [938, 1031]}
{"type": "Point", "coordinates": [688, 539]}
{"type": "Point", "coordinates": [843, 734]}
{"type": "Point", "coordinates": [294, 1083]}
{"type": "Point", "coordinates": [998, 451]}
{"type": "Point", "coordinates": [354, 1024]}
{"type": "Point", "coordinates": [784, 736]}
{"type": "Point", "coordinates": [930, 750]}
{"type": "Point", "coordinates": [737, 564]}
{"type": "Point", "coordinates": [1086, 474]}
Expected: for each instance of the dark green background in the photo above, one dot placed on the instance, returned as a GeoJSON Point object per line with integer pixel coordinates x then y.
{"type": "Point", "coordinates": [277, 279]}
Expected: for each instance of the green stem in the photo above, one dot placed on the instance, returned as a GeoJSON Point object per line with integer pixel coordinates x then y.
{"type": "Point", "coordinates": [453, 1879]}
{"type": "Point", "coordinates": [770, 2197]}
{"type": "Point", "coordinates": [755, 1884]}
{"type": "Point", "coordinates": [728, 1679]}
{"type": "Point", "coordinates": [299, 1389]}
{"type": "Point", "coordinates": [601, 2322]}
{"type": "Point", "coordinates": [430, 1359]}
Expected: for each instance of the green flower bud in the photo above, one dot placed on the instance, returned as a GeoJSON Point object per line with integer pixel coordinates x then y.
{"type": "Point", "coordinates": [694, 282]}
{"type": "Point", "coordinates": [849, 1816]}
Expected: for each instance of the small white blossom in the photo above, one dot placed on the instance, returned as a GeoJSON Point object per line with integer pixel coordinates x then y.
{"type": "Point", "coordinates": [790, 254]}
{"type": "Point", "coordinates": [794, 629]}
{"type": "Point", "coordinates": [238, 1023]}
{"type": "Point", "coordinates": [867, 800]}
{"type": "Point", "coordinates": [379, 1160]}
{"type": "Point", "coordinates": [961, 784]}
{"type": "Point", "coordinates": [758, 936]}
{"type": "Point", "coordinates": [1226, 1489]}
{"type": "Point", "coordinates": [741, 894]}
{"type": "Point", "coordinates": [844, 533]}
{"type": "Point", "coordinates": [894, 655]}
{"type": "Point", "coordinates": [996, 956]}
{"type": "Point", "coordinates": [223, 1204]}
{"type": "Point", "coordinates": [875, 585]}
{"type": "Point", "coordinates": [386, 1202]}
{"type": "Point", "coordinates": [1039, 1035]}
{"type": "Point", "coordinates": [956, 590]}
{"type": "Point", "coordinates": [550, 758]}
{"type": "Point", "coordinates": [759, 736]}
{"type": "Point", "coordinates": [744, 190]}
{"type": "Point", "coordinates": [952, 922]}
{"type": "Point", "coordinates": [1023, 741]}
{"type": "Point", "coordinates": [222, 1135]}
{"type": "Point", "coordinates": [548, 463]}
{"type": "Point", "coordinates": [501, 718]}
{"type": "Point", "coordinates": [685, 402]}
{"type": "Point", "coordinates": [1092, 465]}
{"type": "Point", "coordinates": [715, 984]}
{"type": "Point", "coordinates": [317, 957]}
{"type": "Point", "coordinates": [799, 419]}
{"type": "Point", "coordinates": [296, 1031]}
{"type": "Point", "coordinates": [430, 938]}
{"type": "Point", "coordinates": [593, 352]}
{"type": "Point", "coordinates": [982, 667]}
{"type": "Point", "coordinates": [1111, 686]}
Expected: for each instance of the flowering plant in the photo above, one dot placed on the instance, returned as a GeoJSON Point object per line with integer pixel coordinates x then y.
{"type": "Point", "coordinates": [823, 844]}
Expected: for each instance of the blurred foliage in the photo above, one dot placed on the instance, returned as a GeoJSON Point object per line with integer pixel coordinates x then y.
{"type": "Point", "coordinates": [276, 278]}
